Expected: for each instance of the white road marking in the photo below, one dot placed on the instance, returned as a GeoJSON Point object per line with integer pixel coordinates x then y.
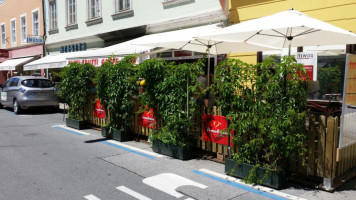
{"type": "Point", "coordinates": [136, 149]}
{"type": "Point", "coordinates": [71, 129]}
{"type": "Point", "coordinates": [168, 183]}
{"type": "Point", "coordinates": [91, 197]}
{"type": "Point", "coordinates": [132, 193]}
{"type": "Point", "coordinates": [189, 199]}
{"type": "Point", "coordinates": [257, 187]}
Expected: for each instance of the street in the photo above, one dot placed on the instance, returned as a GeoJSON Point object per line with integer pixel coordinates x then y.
{"type": "Point", "coordinates": [42, 159]}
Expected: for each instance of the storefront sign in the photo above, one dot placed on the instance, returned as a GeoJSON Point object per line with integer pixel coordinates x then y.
{"type": "Point", "coordinates": [4, 53]}
{"type": "Point", "coordinates": [35, 39]}
{"type": "Point", "coordinates": [147, 119]}
{"type": "Point", "coordinates": [73, 48]}
{"type": "Point", "coordinates": [215, 129]}
{"type": "Point", "coordinates": [99, 110]}
{"type": "Point", "coordinates": [310, 61]}
{"type": "Point", "coordinates": [95, 61]}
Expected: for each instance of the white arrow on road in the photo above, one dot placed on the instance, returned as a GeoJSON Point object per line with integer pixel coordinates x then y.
{"type": "Point", "coordinates": [168, 183]}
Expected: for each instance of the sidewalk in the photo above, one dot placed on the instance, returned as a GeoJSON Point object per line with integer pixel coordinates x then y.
{"type": "Point", "coordinates": [345, 192]}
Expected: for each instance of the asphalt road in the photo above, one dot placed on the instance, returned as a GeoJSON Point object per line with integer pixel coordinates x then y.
{"type": "Point", "coordinates": [42, 159]}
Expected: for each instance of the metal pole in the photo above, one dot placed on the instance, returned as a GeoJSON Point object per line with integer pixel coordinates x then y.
{"type": "Point", "coordinates": [208, 68]}
{"type": "Point", "coordinates": [188, 102]}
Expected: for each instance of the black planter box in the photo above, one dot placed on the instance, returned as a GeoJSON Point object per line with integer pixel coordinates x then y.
{"type": "Point", "coordinates": [182, 153]}
{"type": "Point", "coordinates": [121, 136]}
{"type": "Point", "coordinates": [275, 179]}
{"type": "Point", "coordinates": [75, 124]}
{"type": "Point", "coordinates": [105, 131]}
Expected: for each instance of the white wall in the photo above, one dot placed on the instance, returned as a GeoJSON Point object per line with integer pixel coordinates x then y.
{"type": "Point", "coordinates": [146, 12]}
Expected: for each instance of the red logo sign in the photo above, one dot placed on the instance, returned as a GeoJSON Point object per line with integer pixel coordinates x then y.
{"type": "Point", "coordinates": [215, 129]}
{"type": "Point", "coordinates": [99, 110]}
{"type": "Point", "coordinates": [4, 53]}
{"type": "Point", "coordinates": [309, 69]}
{"type": "Point", "coordinates": [147, 119]}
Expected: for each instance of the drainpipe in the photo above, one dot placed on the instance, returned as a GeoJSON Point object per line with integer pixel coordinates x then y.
{"type": "Point", "coordinates": [44, 33]}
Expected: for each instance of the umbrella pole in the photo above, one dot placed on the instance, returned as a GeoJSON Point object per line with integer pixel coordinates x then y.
{"type": "Point", "coordinates": [208, 68]}
{"type": "Point", "coordinates": [188, 101]}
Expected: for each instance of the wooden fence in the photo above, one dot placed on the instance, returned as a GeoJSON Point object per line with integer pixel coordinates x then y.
{"type": "Point", "coordinates": [323, 160]}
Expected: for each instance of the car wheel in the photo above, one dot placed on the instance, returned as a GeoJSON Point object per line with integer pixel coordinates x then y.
{"type": "Point", "coordinates": [17, 108]}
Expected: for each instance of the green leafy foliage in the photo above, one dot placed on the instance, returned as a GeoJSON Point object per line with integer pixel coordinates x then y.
{"type": "Point", "coordinates": [153, 71]}
{"type": "Point", "coordinates": [121, 90]}
{"type": "Point", "coordinates": [102, 80]}
{"type": "Point", "coordinates": [168, 89]}
{"type": "Point", "coordinates": [116, 88]}
{"type": "Point", "coordinates": [266, 105]}
{"type": "Point", "coordinates": [75, 87]}
{"type": "Point", "coordinates": [330, 79]}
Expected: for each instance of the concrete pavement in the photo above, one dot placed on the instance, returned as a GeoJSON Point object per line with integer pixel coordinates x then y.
{"type": "Point", "coordinates": [42, 159]}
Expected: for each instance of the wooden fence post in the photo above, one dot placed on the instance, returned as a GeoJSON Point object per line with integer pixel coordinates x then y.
{"type": "Point", "coordinates": [330, 153]}
{"type": "Point", "coordinates": [321, 145]}
{"type": "Point", "coordinates": [311, 148]}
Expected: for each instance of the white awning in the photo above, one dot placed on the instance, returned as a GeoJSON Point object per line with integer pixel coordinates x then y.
{"type": "Point", "coordinates": [121, 49]}
{"type": "Point", "coordinates": [47, 62]}
{"type": "Point", "coordinates": [12, 63]}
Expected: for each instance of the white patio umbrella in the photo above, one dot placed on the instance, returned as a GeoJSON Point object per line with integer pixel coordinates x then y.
{"type": "Point", "coordinates": [284, 30]}
{"type": "Point", "coordinates": [190, 39]}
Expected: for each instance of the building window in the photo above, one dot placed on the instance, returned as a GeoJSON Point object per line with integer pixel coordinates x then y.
{"type": "Point", "coordinates": [23, 29]}
{"type": "Point", "coordinates": [122, 5]}
{"type": "Point", "coordinates": [35, 24]}
{"type": "Point", "coordinates": [3, 38]}
{"type": "Point", "coordinates": [13, 32]}
{"type": "Point", "coordinates": [71, 12]}
{"type": "Point", "coordinates": [52, 15]}
{"type": "Point", "coordinates": [94, 10]}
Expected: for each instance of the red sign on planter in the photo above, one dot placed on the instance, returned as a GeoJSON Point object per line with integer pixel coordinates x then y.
{"type": "Point", "coordinates": [215, 129]}
{"type": "Point", "coordinates": [147, 119]}
{"type": "Point", "coordinates": [99, 110]}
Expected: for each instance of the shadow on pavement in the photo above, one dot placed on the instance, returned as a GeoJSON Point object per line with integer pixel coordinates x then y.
{"type": "Point", "coordinates": [97, 140]}
{"type": "Point", "coordinates": [38, 111]}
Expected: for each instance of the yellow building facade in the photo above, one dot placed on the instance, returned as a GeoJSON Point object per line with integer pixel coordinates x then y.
{"type": "Point", "coordinates": [340, 13]}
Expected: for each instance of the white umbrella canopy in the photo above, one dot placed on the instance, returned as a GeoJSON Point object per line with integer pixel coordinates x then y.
{"type": "Point", "coordinates": [190, 40]}
{"type": "Point", "coordinates": [121, 49]}
{"type": "Point", "coordinates": [283, 30]}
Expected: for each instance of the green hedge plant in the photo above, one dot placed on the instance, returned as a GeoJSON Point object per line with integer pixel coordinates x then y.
{"type": "Point", "coordinates": [121, 89]}
{"type": "Point", "coordinates": [75, 88]}
{"type": "Point", "coordinates": [266, 105]}
{"type": "Point", "coordinates": [170, 91]}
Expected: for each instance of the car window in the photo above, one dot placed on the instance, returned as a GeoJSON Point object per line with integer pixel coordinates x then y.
{"type": "Point", "coordinates": [36, 83]}
{"type": "Point", "coordinates": [14, 82]}
{"type": "Point", "coordinates": [8, 82]}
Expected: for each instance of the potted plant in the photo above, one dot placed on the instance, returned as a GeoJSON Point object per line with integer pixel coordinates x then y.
{"type": "Point", "coordinates": [169, 89]}
{"type": "Point", "coordinates": [75, 89]}
{"type": "Point", "coordinates": [121, 89]}
{"type": "Point", "coordinates": [102, 80]}
{"type": "Point", "coordinates": [266, 105]}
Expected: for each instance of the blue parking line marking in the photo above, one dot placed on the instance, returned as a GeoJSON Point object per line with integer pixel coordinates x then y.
{"type": "Point", "coordinates": [10, 112]}
{"type": "Point", "coordinates": [240, 186]}
{"type": "Point", "coordinates": [129, 150]}
{"type": "Point", "coordinates": [69, 131]}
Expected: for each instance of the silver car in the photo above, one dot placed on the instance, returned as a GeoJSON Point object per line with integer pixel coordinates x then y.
{"type": "Point", "coordinates": [23, 92]}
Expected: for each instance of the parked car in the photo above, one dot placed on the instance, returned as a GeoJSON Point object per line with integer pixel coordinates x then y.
{"type": "Point", "coordinates": [24, 92]}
